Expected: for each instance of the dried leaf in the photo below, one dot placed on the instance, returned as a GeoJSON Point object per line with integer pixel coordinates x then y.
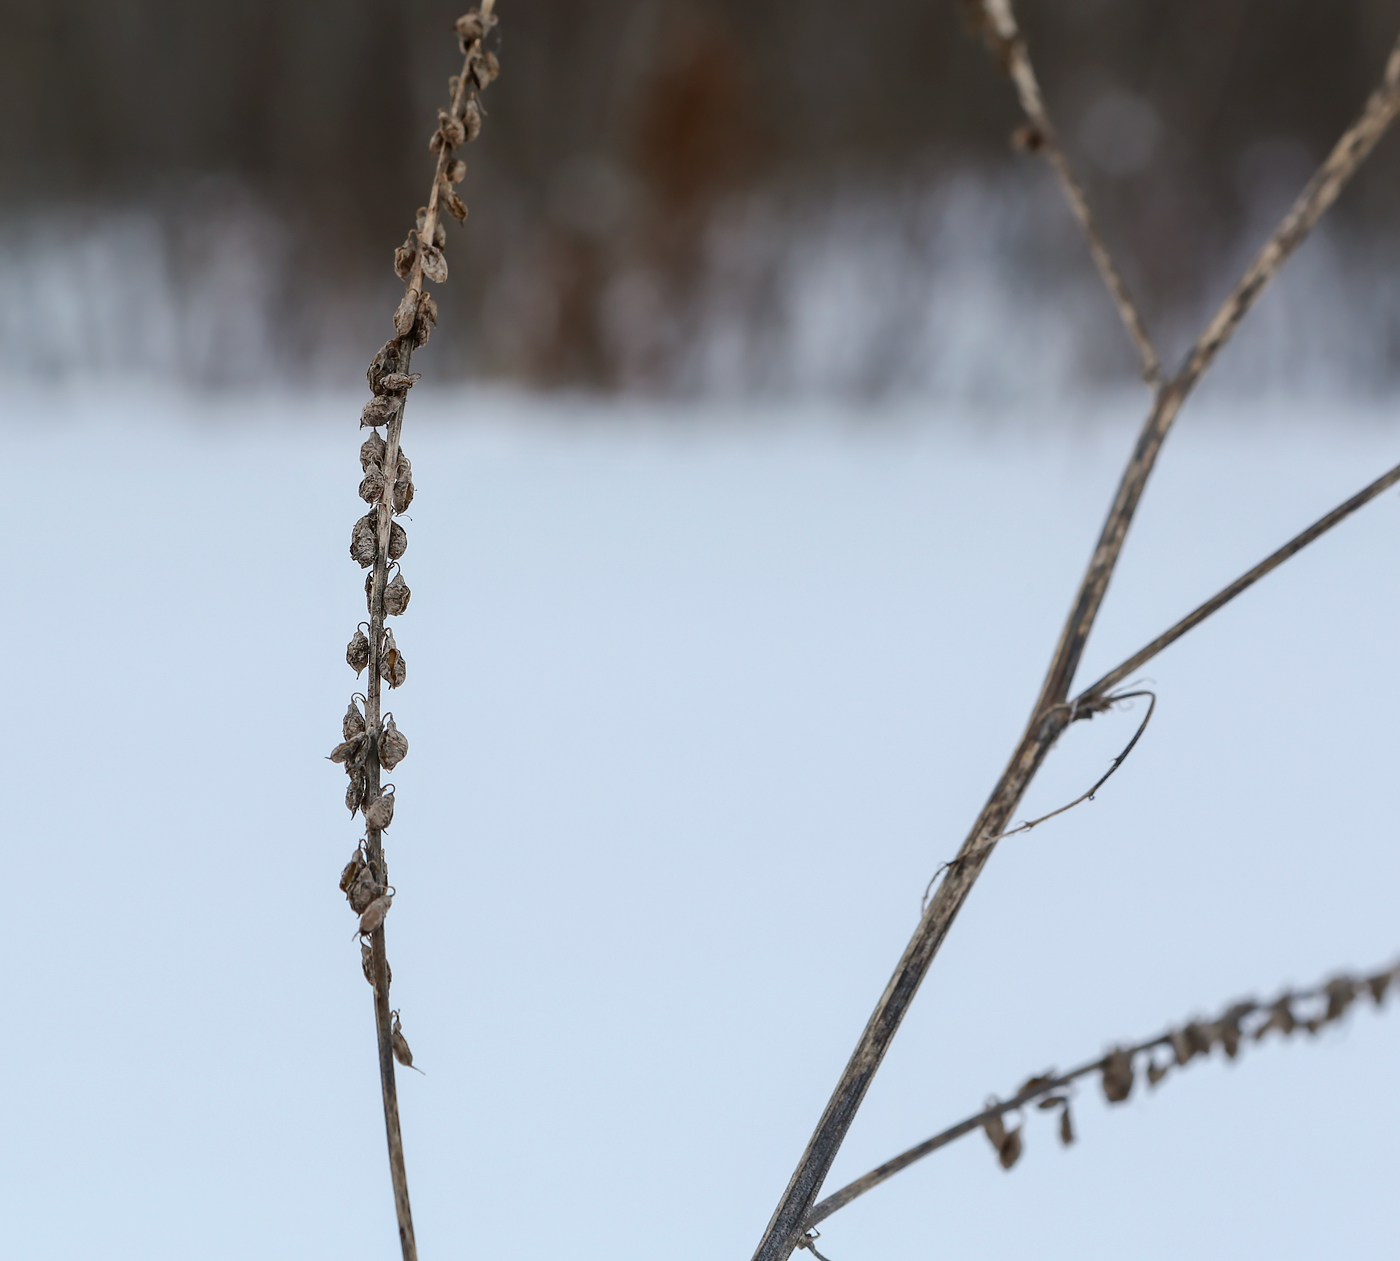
{"type": "Point", "coordinates": [1051, 1101]}
{"type": "Point", "coordinates": [1010, 1150]}
{"type": "Point", "coordinates": [392, 668]}
{"type": "Point", "coordinates": [393, 744]}
{"type": "Point", "coordinates": [398, 541]}
{"type": "Point", "coordinates": [1066, 1127]}
{"type": "Point", "coordinates": [396, 596]}
{"type": "Point", "coordinates": [1034, 1085]}
{"type": "Point", "coordinates": [357, 652]}
{"type": "Point", "coordinates": [375, 912]}
{"type": "Point", "coordinates": [1117, 1075]}
{"type": "Point", "coordinates": [434, 264]}
{"type": "Point", "coordinates": [353, 724]}
{"type": "Point", "coordinates": [364, 542]}
{"type": "Point", "coordinates": [372, 452]}
{"type": "Point", "coordinates": [380, 410]}
{"type": "Point", "coordinates": [380, 812]}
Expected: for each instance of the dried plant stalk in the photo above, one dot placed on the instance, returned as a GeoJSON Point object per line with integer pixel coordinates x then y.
{"type": "Point", "coordinates": [1239, 1024]}
{"type": "Point", "coordinates": [372, 741]}
{"type": "Point", "coordinates": [1052, 712]}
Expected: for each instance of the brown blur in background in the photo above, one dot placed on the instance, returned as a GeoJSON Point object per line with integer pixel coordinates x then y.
{"type": "Point", "coordinates": [675, 195]}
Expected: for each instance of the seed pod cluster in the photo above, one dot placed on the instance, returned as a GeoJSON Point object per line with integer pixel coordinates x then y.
{"type": "Point", "coordinates": [1235, 1027]}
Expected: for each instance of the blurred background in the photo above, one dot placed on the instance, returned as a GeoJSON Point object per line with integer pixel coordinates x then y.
{"type": "Point", "coordinates": [693, 196]}
{"type": "Point", "coordinates": [772, 414]}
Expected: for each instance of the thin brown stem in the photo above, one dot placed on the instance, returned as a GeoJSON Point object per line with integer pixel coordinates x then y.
{"type": "Point", "coordinates": [1050, 1084]}
{"type": "Point", "coordinates": [1050, 715]}
{"type": "Point", "coordinates": [1223, 597]}
{"type": "Point", "coordinates": [1010, 44]}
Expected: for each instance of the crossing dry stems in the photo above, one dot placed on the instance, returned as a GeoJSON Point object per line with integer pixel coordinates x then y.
{"type": "Point", "coordinates": [1052, 711]}
{"type": "Point", "coordinates": [372, 742]}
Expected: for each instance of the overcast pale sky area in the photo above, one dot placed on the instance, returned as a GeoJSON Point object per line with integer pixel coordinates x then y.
{"type": "Point", "coordinates": [754, 481]}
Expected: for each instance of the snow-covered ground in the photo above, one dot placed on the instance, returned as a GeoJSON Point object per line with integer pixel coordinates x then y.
{"type": "Point", "coordinates": [698, 700]}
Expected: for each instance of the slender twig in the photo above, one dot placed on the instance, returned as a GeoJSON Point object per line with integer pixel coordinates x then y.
{"type": "Point", "coordinates": [1223, 597]}
{"type": "Point", "coordinates": [1050, 715]}
{"type": "Point", "coordinates": [1339, 992]}
{"type": "Point", "coordinates": [388, 486]}
{"type": "Point", "coordinates": [999, 25]}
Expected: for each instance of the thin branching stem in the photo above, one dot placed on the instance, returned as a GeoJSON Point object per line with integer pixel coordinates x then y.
{"type": "Point", "coordinates": [1050, 714]}
{"type": "Point", "coordinates": [1047, 1085]}
{"type": "Point", "coordinates": [1101, 687]}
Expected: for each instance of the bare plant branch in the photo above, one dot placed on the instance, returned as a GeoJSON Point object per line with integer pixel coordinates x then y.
{"type": "Point", "coordinates": [372, 741]}
{"type": "Point", "coordinates": [1050, 715]}
{"type": "Point", "coordinates": [1227, 1031]}
{"type": "Point", "coordinates": [1294, 545]}
{"type": "Point", "coordinates": [998, 24]}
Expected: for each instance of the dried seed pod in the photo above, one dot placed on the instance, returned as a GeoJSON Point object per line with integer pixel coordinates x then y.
{"type": "Point", "coordinates": [403, 494]}
{"type": "Point", "coordinates": [434, 264]}
{"type": "Point", "coordinates": [374, 913]}
{"type": "Point", "coordinates": [384, 360]}
{"type": "Point", "coordinates": [1228, 1027]}
{"type": "Point", "coordinates": [1377, 984]}
{"type": "Point", "coordinates": [393, 744]}
{"type": "Point", "coordinates": [380, 812]}
{"type": "Point", "coordinates": [400, 1045]}
{"type": "Point", "coordinates": [398, 541]}
{"type": "Point", "coordinates": [470, 27]}
{"type": "Point", "coordinates": [372, 452]}
{"type": "Point", "coordinates": [396, 596]}
{"type": "Point", "coordinates": [1192, 1040]}
{"type": "Point", "coordinates": [484, 69]}
{"type": "Point", "coordinates": [451, 129]}
{"type": "Point", "coordinates": [364, 542]}
{"type": "Point", "coordinates": [1341, 993]}
{"type": "Point", "coordinates": [1117, 1075]}
{"type": "Point", "coordinates": [351, 871]}
{"type": "Point", "coordinates": [398, 382]}
{"type": "Point", "coordinates": [355, 792]}
{"type": "Point", "coordinates": [353, 724]}
{"type": "Point", "coordinates": [357, 651]}
{"type": "Point", "coordinates": [367, 963]}
{"type": "Point", "coordinates": [471, 120]}
{"type": "Point", "coordinates": [380, 410]}
{"type": "Point", "coordinates": [440, 234]}
{"type": "Point", "coordinates": [456, 171]}
{"type": "Point", "coordinates": [392, 667]}
{"type": "Point", "coordinates": [349, 752]}
{"type": "Point", "coordinates": [404, 315]}
{"type": "Point", "coordinates": [363, 890]}
{"type": "Point", "coordinates": [1280, 1017]}
{"type": "Point", "coordinates": [456, 207]}
{"type": "Point", "coordinates": [372, 485]}
{"type": "Point", "coordinates": [425, 320]}
{"type": "Point", "coordinates": [404, 258]}
{"type": "Point", "coordinates": [1066, 1128]}
{"type": "Point", "coordinates": [1156, 1071]}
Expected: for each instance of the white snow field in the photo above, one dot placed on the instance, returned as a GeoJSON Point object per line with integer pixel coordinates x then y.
{"type": "Point", "coordinates": [698, 699]}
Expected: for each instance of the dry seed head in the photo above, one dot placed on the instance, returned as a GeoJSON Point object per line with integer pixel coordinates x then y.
{"type": "Point", "coordinates": [364, 543]}
{"type": "Point", "coordinates": [393, 744]}
{"type": "Point", "coordinates": [374, 913]}
{"type": "Point", "coordinates": [380, 812]}
{"type": "Point", "coordinates": [398, 541]}
{"type": "Point", "coordinates": [392, 667]}
{"type": "Point", "coordinates": [396, 596]}
{"type": "Point", "coordinates": [357, 651]}
{"type": "Point", "coordinates": [372, 452]}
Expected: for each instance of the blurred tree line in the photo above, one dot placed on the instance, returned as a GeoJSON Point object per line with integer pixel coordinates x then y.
{"type": "Point", "coordinates": [620, 128]}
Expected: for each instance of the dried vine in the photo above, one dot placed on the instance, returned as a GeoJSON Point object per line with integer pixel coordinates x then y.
{"type": "Point", "coordinates": [1053, 711]}
{"type": "Point", "coordinates": [372, 742]}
